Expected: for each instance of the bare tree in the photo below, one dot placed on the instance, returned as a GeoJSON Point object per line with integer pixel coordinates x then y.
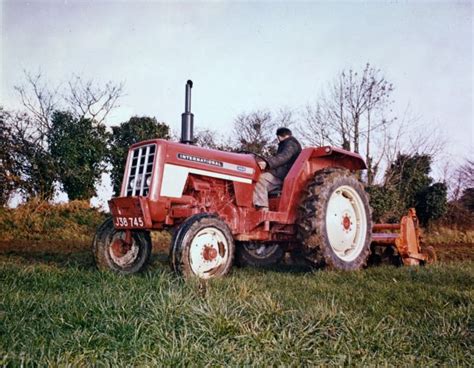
{"type": "Point", "coordinates": [335, 105]}
{"type": "Point", "coordinates": [30, 130]}
{"type": "Point", "coordinates": [378, 98]}
{"type": "Point", "coordinates": [315, 129]}
{"type": "Point", "coordinates": [365, 94]}
{"type": "Point", "coordinates": [87, 99]}
{"type": "Point", "coordinates": [253, 131]}
{"type": "Point", "coordinates": [462, 178]}
{"type": "Point", "coordinates": [39, 101]}
{"type": "Point", "coordinates": [211, 139]}
{"type": "Point", "coordinates": [284, 117]}
{"type": "Point", "coordinates": [352, 109]}
{"type": "Point", "coordinates": [84, 98]}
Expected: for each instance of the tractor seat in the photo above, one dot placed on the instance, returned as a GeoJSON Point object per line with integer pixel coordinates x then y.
{"type": "Point", "coordinates": [274, 193]}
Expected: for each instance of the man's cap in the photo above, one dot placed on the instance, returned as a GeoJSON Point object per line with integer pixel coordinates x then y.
{"type": "Point", "coordinates": [283, 132]}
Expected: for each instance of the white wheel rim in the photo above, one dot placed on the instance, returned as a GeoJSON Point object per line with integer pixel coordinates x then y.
{"type": "Point", "coordinates": [209, 252]}
{"type": "Point", "coordinates": [346, 223]}
{"type": "Point", "coordinates": [128, 258]}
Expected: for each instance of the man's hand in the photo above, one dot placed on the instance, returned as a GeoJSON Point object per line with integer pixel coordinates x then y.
{"type": "Point", "coordinates": [262, 164]}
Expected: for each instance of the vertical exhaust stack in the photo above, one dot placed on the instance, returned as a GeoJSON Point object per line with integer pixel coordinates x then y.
{"type": "Point", "coordinates": [187, 118]}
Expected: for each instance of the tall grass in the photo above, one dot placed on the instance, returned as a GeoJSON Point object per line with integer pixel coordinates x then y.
{"type": "Point", "coordinates": [42, 221]}
{"type": "Point", "coordinates": [448, 235]}
{"type": "Point", "coordinates": [61, 311]}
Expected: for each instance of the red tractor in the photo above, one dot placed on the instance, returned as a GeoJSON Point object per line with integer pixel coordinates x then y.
{"type": "Point", "coordinates": [204, 196]}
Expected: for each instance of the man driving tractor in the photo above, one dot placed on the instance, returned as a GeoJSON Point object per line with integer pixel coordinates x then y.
{"type": "Point", "coordinates": [205, 197]}
{"type": "Point", "coordinates": [288, 150]}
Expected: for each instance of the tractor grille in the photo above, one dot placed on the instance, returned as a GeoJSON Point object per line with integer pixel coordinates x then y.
{"type": "Point", "coordinates": [140, 172]}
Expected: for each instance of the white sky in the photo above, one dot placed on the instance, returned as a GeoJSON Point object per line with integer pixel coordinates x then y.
{"type": "Point", "coordinates": [245, 56]}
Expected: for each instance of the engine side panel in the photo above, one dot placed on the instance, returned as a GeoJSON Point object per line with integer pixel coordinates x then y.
{"type": "Point", "coordinates": [213, 163]}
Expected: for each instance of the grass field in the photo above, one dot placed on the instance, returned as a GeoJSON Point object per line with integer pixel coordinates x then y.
{"type": "Point", "coordinates": [56, 309]}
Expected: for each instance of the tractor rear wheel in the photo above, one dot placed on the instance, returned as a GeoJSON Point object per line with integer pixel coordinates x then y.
{"type": "Point", "coordinates": [335, 224]}
{"type": "Point", "coordinates": [258, 254]}
{"type": "Point", "coordinates": [202, 247]}
{"type": "Point", "coordinates": [111, 252]}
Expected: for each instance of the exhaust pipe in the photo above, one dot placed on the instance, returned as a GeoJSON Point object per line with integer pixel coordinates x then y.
{"type": "Point", "coordinates": [187, 118]}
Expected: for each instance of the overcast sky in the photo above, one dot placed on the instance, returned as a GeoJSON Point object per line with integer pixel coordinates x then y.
{"type": "Point", "coordinates": [245, 56]}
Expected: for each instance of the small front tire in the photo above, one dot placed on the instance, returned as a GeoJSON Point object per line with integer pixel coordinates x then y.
{"type": "Point", "coordinates": [111, 254]}
{"type": "Point", "coordinates": [202, 247]}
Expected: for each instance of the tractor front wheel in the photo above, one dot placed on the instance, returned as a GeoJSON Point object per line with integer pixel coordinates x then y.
{"type": "Point", "coordinates": [335, 223]}
{"type": "Point", "coordinates": [202, 247]}
{"type": "Point", "coordinates": [112, 251]}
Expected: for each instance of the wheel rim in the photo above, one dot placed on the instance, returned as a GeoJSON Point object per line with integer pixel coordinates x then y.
{"type": "Point", "coordinates": [121, 254]}
{"type": "Point", "coordinates": [261, 251]}
{"type": "Point", "coordinates": [209, 252]}
{"type": "Point", "coordinates": [346, 223]}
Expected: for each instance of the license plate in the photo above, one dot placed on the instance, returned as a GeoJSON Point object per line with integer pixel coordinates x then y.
{"type": "Point", "coordinates": [129, 222]}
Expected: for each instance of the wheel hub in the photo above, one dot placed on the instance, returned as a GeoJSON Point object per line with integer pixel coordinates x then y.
{"type": "Point", "coordinates": [209, 253]}
{"type": "Point", "coordinates": [346, 222]}
{"type": "Point", "coordinates": [123, 250]}
{"type": "Point", "coordinates": [120, 248]}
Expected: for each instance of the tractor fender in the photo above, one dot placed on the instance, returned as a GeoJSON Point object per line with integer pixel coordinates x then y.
{"type": "Point", "coordinates": [340, 157]}
{"type": "Point", "coordinates": [310, 161]}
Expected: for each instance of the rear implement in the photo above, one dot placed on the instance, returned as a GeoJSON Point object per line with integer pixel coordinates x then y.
{"type": "Point", "coordinates": [405, 237]}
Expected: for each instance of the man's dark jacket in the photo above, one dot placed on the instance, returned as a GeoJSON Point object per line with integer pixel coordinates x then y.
{"type": "Point", "coordinates": [287, 153]}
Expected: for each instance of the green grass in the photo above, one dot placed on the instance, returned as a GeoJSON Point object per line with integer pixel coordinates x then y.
{"type": "Point", "coordinates": [58, 310]}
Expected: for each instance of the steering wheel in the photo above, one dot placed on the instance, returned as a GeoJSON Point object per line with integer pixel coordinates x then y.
{"type": "Point", "coordinates": [256, 156]}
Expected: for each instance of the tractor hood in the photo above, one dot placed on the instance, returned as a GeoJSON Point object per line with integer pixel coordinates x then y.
{"type": "Point", "coordinates": [173, 162]}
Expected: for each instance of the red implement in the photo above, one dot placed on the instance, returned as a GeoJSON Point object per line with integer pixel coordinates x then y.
{"type": "Point", "coordinates": [405, 238]}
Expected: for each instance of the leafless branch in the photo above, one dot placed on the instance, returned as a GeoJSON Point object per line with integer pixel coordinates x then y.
{"type": "Point", "coordinates": [39, 100]}
{"type": "Point", "coordinates": [87, 100]}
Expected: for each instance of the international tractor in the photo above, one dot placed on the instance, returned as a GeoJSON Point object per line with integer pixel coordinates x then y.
{"type": "Point", "coordinates": [204, 197]}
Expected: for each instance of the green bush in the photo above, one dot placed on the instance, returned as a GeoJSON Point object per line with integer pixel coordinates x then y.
{"type": "Point", "coordinates": [432, 203]}
{"type": "Point", "coordinates": [42, 221]}
{"type": "Point", "coordinates": [385, 203]}
{"type": "Point", "coordinates": [408, 184]}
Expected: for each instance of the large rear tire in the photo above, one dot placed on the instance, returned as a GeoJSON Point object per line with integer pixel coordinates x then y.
{"type": "Point", "coordinates": [202, 247]}
{"type": "Point", "coordinates": [111, 253]}
{"type": "Point", "coordinates": [335, 224]}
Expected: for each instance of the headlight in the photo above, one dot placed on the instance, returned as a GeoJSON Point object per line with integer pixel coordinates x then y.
{"type": "Point", "coordinates": [148, 181]}
{"type": "Point", "coordinates": [136, 181]}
